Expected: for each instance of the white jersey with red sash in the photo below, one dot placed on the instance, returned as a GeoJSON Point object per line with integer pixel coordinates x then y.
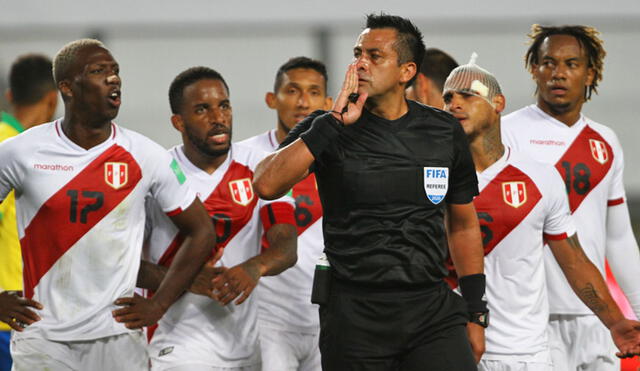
{"type": "Point", "coordinates": [81, 222]}
{"type": "Point", "coordinates": [518, 204]}
{"type": "Point", "coordinates": [285, 299]}
{"type": "Point", "coordinates": [589, 159]}
{"type": "Point", "coordinates": [196, 328]}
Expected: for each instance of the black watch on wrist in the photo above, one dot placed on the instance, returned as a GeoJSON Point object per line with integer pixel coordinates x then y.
{"type": "Point", "coordinates": [479, 318]}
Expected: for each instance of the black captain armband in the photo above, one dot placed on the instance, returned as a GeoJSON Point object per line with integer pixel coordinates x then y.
{"type": "Point", "coordinates": [324, 130]}
{"type": "Point", "coordinates": [472, 288]}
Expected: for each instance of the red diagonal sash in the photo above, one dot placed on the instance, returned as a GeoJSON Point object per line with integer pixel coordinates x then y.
{"type": "Point", "coordinates": [496, 213]}
{"type": "Point", "coordinates": [71, 212]}
{"type": "Point", "coordinates": [496, 209]}
{"type": "Point", "coordinates": [583, 166]}
{"type": "Point", "coordinates": [227, 212]}
{"type": "Point", "coordinates": [308, 206]}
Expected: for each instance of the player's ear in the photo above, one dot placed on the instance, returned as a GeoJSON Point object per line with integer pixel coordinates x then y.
{"type": "Point", "coordinates": [270, 99]}
{"type": "Point", "coordinates": [499, 103]}
{"type": "Point", "coordinates": [65, 89]}
{"type": "Point", "coordinates": [328, 103]}
{"type": "Point", "coordinates": [177, 122]}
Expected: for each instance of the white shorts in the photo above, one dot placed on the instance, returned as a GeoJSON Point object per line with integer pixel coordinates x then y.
{"type": "Point", "coordinates": [536, 362]}
{"type": "Point", "coordinates": [289, 351]}
{"type": "Point", "coordinates": [185, 356]}
{"type": "Point", "coordinates": [199, 367]}
{"type": "Point", "coordinates": [581, 342]}
{"type": "Point", "coordinates": [120, 352]}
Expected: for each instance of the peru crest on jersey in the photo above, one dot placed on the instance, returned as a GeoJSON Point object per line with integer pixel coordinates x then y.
{"type": "Point", "coordinates": [116, 174]}
{"type": "Point", "coordinates": [241, 191]}
{"type": "Point", "coordinates": [599, 151]}
{"type": "Point", "coordinates": [514, 194]}
{"type": "Point", "coordinates": [436, 183]}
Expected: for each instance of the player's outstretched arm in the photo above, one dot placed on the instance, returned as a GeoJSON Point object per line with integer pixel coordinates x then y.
{"type": "Point", "coordinates": [277, 173]}
{"type": "Point", "coordinates": [150, 275]}
{"type": "Point", "coordinates": [239, 281]}
{"type": "Point", "coordinates": [15, 312]}
{"type": "Point", "coordinates": [587, 282]}
{"type": "Point", "coordinates": [465, 246]}
{"type": "Point", "coordinates": [622, 253]}
{"type": "Point", "coordinates": [195, 224]}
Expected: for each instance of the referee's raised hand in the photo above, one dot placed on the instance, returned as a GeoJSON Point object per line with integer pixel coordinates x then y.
{"type": "Point", "coordinates": [343, 109]}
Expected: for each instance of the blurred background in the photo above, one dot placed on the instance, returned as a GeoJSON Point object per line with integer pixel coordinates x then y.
{"type": "Point", "coordinates": [247, 41]}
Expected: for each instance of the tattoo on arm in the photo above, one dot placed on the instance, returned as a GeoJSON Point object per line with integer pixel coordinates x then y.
{"type": "Point", "coordinates": [575, 245]}
{"type": "Point", "coordinates": [590, 296]}
{"type": "Point", "coordinates": [282, 252]}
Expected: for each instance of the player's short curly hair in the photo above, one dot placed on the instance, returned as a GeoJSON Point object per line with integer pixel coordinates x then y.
{"type": "Point", "coordinates": [64, 59]}
{"type": "Point", "coordinates": [186, 78]}
{"type": "Point", "coordinates": [586, 36]}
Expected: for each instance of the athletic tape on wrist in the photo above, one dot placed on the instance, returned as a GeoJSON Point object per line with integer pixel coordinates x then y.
{"type": "Point", "coordinates": [472, 288]}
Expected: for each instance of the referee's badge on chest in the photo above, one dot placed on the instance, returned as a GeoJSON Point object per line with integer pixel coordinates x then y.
{"type": "Point", "coordinates": [436, 183]}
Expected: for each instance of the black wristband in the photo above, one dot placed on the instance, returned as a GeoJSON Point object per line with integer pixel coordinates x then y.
{"type": "Point", "coordinates": [323, 131]}
{"type": "Point", "coordinates": [472, 288]}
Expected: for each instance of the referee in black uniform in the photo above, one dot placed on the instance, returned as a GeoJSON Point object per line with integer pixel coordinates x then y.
{"type": "Point", "coordinates": [387, 169]}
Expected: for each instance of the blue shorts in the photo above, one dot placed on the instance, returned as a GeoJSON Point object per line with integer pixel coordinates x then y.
{"type": "Point", "coordinates": [5, 355]}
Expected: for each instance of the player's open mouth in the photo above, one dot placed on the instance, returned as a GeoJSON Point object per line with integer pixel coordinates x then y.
{"type": "Point", "coordinates": [219, 138]}
{"type": "Point", "coordinates": [114, 98]}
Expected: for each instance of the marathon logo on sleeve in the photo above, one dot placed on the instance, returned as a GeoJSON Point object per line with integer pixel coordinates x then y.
{"type": "Point", "coordinates": [436, 183]}
{"type": "Point", "coordinates": [178, 172]}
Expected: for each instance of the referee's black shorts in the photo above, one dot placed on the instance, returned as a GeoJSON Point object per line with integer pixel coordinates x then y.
{"type": "Point", "coordinates": [362, 328]}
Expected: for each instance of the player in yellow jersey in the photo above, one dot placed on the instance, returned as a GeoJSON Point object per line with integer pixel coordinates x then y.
{"type": "Point", "coordinates": [33, 98]}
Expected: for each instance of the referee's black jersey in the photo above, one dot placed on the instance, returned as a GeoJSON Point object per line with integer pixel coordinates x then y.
{"type": "Point", "coordinates": [383, 185]}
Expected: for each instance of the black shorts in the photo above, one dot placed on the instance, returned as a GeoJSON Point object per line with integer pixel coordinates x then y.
{"type": "Point", "coordinates": [383, 329]}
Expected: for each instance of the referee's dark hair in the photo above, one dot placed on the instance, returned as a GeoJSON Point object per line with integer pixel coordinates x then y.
{"type": "Point", "coordinates": [300, 62]}
{"type": "Point", "coordinates": [186, 78]}
{"type": "Point", "coordinates": [588, 39]}
{"type": "Point", "coordinates": [409, 44]}
{"type": "Point", "coordinates": [30, 79]}
{"type": "Point", "coordinates": [437, 65]}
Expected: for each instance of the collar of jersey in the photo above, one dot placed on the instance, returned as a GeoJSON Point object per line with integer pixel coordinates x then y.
{"type": "Point", "coordinates": [273, 139]}
{"type": "Point", "coordinates": [11, 121]}
{"type": "Point", "coordinates": [578, 125]}
{"type": "Point", "coordinates": [393, 124]}
{"type": "Point", "coordinates": [193, 169]}
{"type": "Point", "coordinates": [99, 147]}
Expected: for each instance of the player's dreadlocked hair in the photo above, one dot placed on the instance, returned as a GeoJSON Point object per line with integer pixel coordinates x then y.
{"type": "Point", "coordinates": [586, 36]}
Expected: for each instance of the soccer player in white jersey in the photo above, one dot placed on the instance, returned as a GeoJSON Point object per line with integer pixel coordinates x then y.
{"type": "Point", "coordinates": [81, 183]}
{"type": "Point", "coordinates": [289, 324]}
{"type": "Point", "coordinates": [518, 206]}
{"type": "Point", "coordinates": [566, 63]}
{"type": "Point", "coordinates": [198, 333]}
